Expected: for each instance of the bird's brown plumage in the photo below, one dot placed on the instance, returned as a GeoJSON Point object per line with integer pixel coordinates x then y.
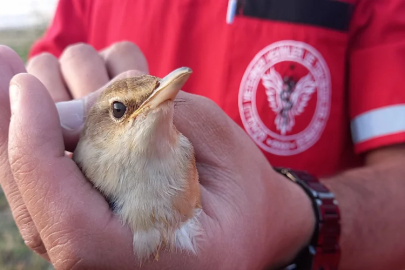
{"type": "Point", "coordinates": [143, 165]}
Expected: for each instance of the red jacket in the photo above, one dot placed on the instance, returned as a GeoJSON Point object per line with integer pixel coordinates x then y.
{"type": "Point", "coordinates": [314, 83]}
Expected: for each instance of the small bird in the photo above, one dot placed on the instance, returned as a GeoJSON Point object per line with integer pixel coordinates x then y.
{"type": "Point", "coordinates": [134, 155]}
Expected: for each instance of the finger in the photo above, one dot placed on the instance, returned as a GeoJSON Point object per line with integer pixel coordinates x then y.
{"type": "Point", "coordinates": [205, 125]}
{"type": "Point", "coordinates": [47, 69]}
{"type": "Point", "coordinates": [64, 206]}
{"type": "Point", "coordinates": [124, 56]}
{"type": "Point", "coordinates": [73, 113]}
{"type": "Point", "coordinates": [11, 64]}
{"type": "Point", "coordinates": [83, 69]}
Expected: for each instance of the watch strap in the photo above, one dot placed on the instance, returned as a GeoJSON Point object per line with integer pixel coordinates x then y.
{"type": "Point", "coordinates": [323, 252]}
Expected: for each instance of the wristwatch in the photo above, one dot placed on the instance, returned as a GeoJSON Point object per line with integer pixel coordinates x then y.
{"type": "Point", "coordinates": [323, 252]}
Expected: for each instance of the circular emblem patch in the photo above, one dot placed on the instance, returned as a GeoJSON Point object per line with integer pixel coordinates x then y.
{"type": "Point", "coordinates": [285, 96]}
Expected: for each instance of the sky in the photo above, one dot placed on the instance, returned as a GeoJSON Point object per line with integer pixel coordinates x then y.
{"type": "Point", "coordinates": [23, 13]}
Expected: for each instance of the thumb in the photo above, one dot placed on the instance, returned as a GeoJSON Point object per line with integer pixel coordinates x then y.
{"type": "Point", "coordinates": [71, 216]}
{"type": "Point", "coordinates": [72, 114]}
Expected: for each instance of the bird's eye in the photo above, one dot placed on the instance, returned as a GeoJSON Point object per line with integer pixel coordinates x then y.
{"type": "Point", "coordinates": [118, 109]}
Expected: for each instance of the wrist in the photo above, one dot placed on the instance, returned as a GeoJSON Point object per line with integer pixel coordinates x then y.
{"type": "Point", "coordinates": [323, 252]}
{"type": "Point", "coordinates": [297, 221]}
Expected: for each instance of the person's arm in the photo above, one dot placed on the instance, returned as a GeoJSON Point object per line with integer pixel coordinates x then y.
{"type": "Point", "coordinates": [372, 198]}
{"type": "Point", "coordinates": [372, 205]}
{"type": "Point", "coordinates": [67, 27]}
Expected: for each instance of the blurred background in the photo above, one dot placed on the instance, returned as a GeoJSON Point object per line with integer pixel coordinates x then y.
{"type": "Point", "coordinates": [21, 23]}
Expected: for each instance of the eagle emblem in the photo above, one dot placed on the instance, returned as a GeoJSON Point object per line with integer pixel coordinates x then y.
{"type": "Point", "coordinates": [286, 98]}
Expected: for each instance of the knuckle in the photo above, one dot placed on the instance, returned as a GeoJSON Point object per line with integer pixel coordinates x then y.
{"type": "Point", "coordinates": [76, 50]}
{"type": "Point", "coordinates": [28, 231]}
{"type": "Point", "coordinates": [125, 47]}
{"type": "Point", "coordinates": [67, 255]}
{"type": "Point", "coordinates": [34, 242]}
{"type": "Point", "coordinates": [41, 60]}
{"type": "Point", "coordinates": [127, 50]}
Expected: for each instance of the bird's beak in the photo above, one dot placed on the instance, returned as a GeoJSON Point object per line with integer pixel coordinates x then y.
{"type": "Point", "coordinates": [168, 89]}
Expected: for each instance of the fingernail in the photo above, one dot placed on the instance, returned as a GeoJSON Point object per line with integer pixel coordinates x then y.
{"type": "Point", "coordinates": [71, 114]}
{"type": "Point", "coordinates": [14, 95]}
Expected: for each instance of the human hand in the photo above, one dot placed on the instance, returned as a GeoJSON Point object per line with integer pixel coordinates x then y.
{"type": "Point", "coordinates": [252, 216]}
{"type": "Point", "coordinates": [80, 71]}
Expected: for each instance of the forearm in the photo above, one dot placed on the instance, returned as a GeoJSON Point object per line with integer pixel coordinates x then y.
{"type": "Point", "coordinates": [372, 204]}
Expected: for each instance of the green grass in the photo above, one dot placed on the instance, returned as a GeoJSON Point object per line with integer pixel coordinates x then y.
{"type": "Point", "coordinates": [13, 252]}
{"type": "Point", "coordinates": [14, 255]}
{"type": "Point", "coordinates": [20, 40]}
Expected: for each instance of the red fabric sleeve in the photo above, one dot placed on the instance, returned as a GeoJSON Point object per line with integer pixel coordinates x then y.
{"type": "Point", "coordinates": [68, 27]}
{"type": "Point", "coordinates": [377, 74]}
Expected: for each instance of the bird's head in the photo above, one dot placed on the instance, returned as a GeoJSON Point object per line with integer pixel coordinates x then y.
{"type": "Point", "coordinates": [136, 113]}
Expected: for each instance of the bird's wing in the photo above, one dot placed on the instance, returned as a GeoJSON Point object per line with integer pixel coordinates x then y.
{"type": "Point", "coordinates": [273, 83]}
{"type": "Point", "coordinates": [302, 93]}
